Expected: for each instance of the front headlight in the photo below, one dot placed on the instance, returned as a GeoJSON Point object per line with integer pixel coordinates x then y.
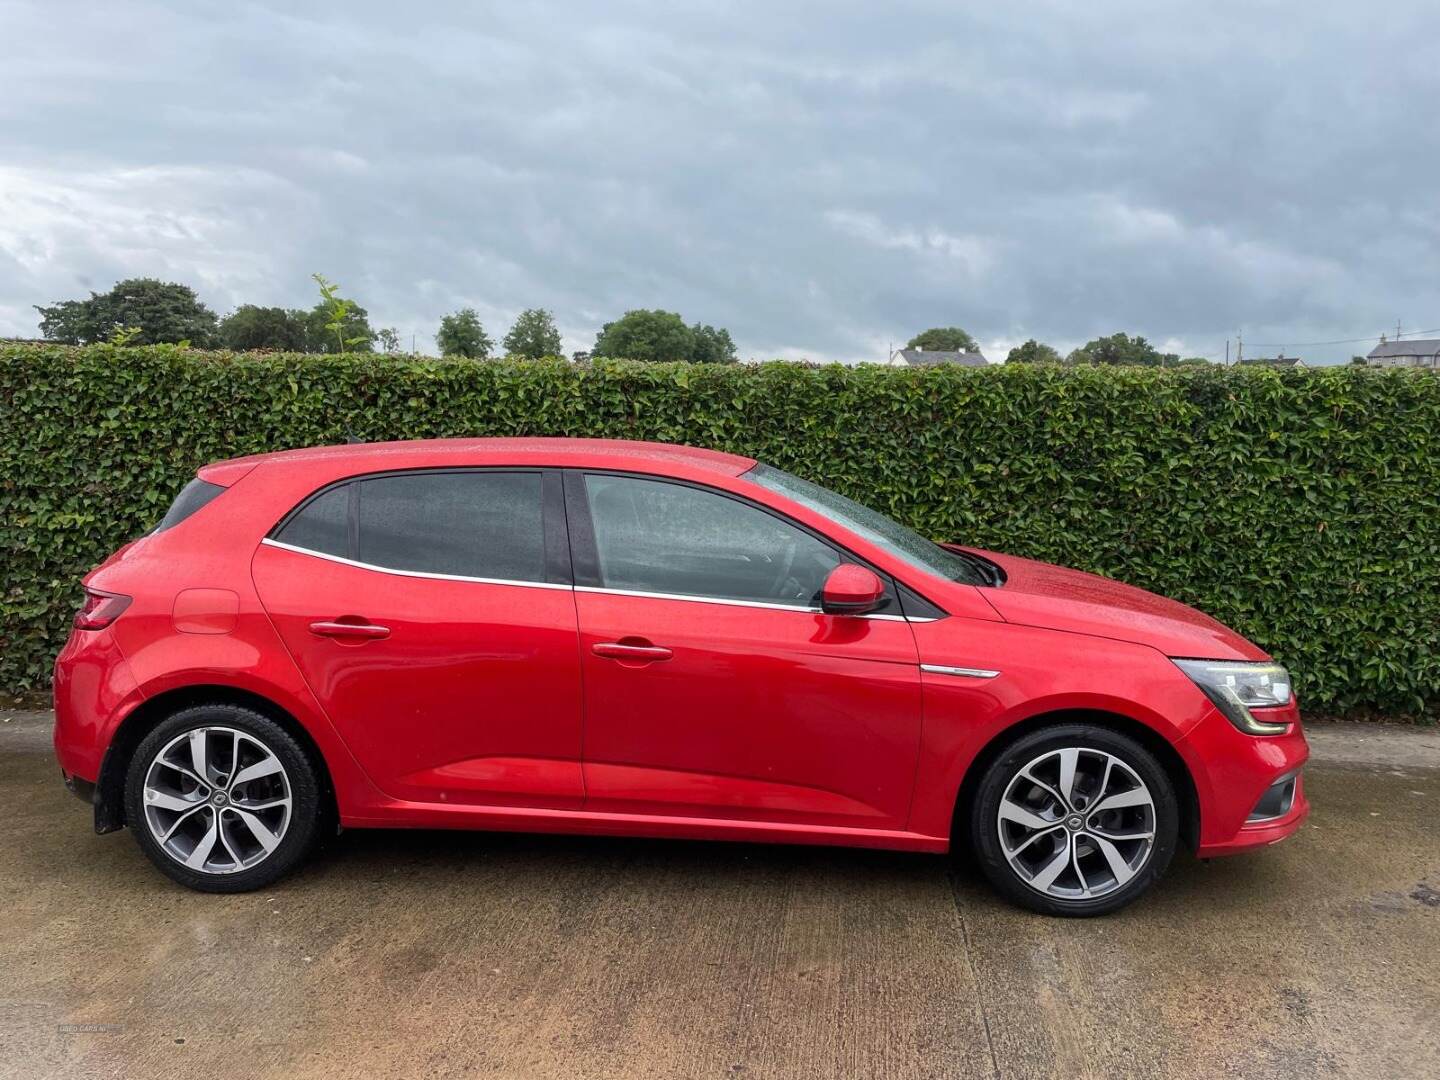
{"type": "Point", "coordinates": [1237, 687]}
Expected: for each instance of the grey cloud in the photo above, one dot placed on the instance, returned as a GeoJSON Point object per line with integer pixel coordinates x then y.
{"type": "Point", "coordinates": [822, 179]}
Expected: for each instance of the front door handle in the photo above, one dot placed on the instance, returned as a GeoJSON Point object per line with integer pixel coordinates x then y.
{"type": "Point", "coordinates": [346, 629]}
{"type": "Point", "coordinates": [620, 650]}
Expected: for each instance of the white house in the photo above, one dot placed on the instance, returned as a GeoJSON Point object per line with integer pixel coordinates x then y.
{"type": "Point", "coordinates": [1417, 352]}
{"type": "Point", "coordinates": [935, 357]}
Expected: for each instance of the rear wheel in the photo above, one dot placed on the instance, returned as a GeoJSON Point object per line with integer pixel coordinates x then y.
{"type": "Point", "coordinates": [1074, 820]}
{"type": "Point", "coordinates": [222, 798]}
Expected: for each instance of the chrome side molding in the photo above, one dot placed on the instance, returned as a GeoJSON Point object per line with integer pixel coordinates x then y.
{"type": "Point", "coordinates": [961, 672]}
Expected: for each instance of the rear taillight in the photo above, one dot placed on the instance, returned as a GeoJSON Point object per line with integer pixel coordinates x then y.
{"type": "Point", "coordinates": [100, 609]}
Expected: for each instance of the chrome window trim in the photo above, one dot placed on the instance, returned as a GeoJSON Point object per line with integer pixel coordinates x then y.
{"type": "Point", "coordinates": [696, 599]}
{"type": "Point", "coordinates": [267, 542]}
{"type": "Point", "coordinates": [739, 603]}
{"type": "Point", "coordinates": [961, 672]}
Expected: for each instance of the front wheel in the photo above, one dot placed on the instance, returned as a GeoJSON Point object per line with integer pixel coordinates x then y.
{"type": "Point", "coordinates": [1074, 820]}
{"type": "Point", "coordinates": [222, 798]}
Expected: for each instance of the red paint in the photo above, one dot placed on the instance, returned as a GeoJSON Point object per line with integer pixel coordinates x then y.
{"type": "Point", "coordinates": [466, 704]}
{"type": "Point", "coordinates": [851, 589]}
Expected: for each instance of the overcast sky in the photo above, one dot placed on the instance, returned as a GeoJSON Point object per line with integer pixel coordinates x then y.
{"type": "Point", "coordinates": [822, 179]}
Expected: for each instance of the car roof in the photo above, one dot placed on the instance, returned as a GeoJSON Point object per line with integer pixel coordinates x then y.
{"type": "Point", "coordinates": [432, 453]}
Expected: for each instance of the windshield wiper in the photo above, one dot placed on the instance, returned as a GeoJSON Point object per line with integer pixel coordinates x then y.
{"type": "Point", "coordinates": [988, 571]}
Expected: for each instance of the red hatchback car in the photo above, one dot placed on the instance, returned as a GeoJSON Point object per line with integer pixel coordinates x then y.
{"type": "Point", "coordinates": [569, 635]}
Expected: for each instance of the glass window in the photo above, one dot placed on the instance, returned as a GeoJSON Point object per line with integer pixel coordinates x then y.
{"type": "Point", "coordinates": [880, 530]}
{"type": "Point", "coordinates": [470, 524]}
{"type": "Point", "coordinates": [653, 536]}
{"type": "Point", "coordinates": [194, 495]}
{"type": "Point", "coordinates": [323, 524]}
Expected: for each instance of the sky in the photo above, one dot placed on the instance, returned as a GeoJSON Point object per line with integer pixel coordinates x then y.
{"type": "Point", "coordinates": [824, 180]}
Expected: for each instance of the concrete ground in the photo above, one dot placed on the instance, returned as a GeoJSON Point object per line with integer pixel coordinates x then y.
{"type": "Point", "coordinates": [443, 954]}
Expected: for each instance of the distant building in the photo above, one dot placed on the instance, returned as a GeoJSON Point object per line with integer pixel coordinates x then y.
{"type": "Point", "coordinates": [1274, 361]}
{"type": "Point", "coordinates": [1417, 352]}
{"type": "Point", "coordinates": [934, 358]}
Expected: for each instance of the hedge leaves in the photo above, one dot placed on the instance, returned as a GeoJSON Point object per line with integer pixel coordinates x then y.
{"type": "Point", "coordinates": [1301, 507]}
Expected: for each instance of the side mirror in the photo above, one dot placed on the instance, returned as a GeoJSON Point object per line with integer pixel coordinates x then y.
{"type": "Point", "coordinates": [851, 589]}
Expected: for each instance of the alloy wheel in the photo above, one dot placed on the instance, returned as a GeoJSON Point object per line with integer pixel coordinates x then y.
{"type": "Point", "coordinates": [1076, 823]}
{"type": "Point", "coordinates": [217, 800]}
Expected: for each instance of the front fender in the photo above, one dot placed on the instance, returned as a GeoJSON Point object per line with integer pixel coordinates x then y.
{"type": "Point", "coordinates": [1040, 672]}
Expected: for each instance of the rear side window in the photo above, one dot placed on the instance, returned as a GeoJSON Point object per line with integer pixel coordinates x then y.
{"type": "Point", "coordinates": [194, 495]}
{"type": "Point", "coordinates": [463, 524]}
{"type": "Point", "coordinates": [322, 525]}
{"type": "Point", "coordinates": [471, 524]}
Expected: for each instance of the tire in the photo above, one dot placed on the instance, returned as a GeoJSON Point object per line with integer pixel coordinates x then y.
{"type": "Point", "coordinates": [269, 820]}
{"type": "Point", "coordinates": [1091, 853]}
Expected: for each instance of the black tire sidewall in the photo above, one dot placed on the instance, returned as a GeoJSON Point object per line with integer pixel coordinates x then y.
{"type": "Point", "coordinates": [304, 789]}
{"type": "Point", "coordinates": [985, 841]}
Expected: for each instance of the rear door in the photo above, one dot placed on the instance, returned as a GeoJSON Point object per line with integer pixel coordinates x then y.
{"type": "Point", "coordinates": [714, 685]}
{"type": "Point", "coordinates": [432, 615]}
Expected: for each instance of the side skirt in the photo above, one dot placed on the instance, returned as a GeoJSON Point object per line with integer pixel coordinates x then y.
{"type": "Point", "coordinates": [411, 815]}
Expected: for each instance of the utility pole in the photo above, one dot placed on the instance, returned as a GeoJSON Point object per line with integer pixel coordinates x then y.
{"type": "Point", "coordinates": [1397, 329]}
{"type": "Point", "coordinates": [1227, 350]}
{"type": "Point", "coordinates": [1240, 347]}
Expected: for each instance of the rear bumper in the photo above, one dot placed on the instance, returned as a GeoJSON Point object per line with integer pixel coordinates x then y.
{"type": "Point", "coordinates": [82, 789]}
{"type": "Point", "coordinates": [93, 687]}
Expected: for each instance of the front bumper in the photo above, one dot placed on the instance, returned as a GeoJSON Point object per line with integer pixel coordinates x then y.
{"type": "Point", "coordinates": [1256, 834]}
{"type": "Point", "coordinates": [1233, 771]}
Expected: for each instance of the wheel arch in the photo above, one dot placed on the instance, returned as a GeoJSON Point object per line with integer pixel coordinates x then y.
{"type": "Point", "coordinates": [1157, 744]}
{"type": "Point", "coordinates": [110, 786]}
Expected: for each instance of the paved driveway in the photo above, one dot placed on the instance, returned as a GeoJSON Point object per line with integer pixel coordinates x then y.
{"type": "Point", "coordinates": [434, 954]}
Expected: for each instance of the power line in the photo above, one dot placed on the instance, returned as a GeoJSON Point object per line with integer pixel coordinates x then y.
{"type": "Point", "coordinates": [1338, 341]}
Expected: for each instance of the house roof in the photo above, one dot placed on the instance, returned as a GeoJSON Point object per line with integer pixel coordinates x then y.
{"type": "Point", "coordinates": [1273, 361]}
{"type": "Point", "coordinates": [1413, 347]}
{"type": "Point", "coordinates": [934, 358]}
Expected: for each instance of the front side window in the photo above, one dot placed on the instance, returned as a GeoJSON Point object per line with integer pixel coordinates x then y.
{"type": "Point", "coordinates": [658, 537]}
{"type": "Point", "coordinates": [477, 524]}
{"type": "Point", "coordinates": [885, 533]}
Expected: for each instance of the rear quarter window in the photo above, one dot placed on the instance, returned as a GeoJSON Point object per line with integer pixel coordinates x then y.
{"type": "Point", "coordinates": [193, 496]}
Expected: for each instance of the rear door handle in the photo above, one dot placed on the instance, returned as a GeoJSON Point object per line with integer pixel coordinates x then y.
{"type": "Point", "coordinates": [619, 650]}
{"type": "Point", "coordinates": [345, 629]}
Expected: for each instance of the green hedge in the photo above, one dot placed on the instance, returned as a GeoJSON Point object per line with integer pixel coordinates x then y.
{"type": "Point", "coordinates": [1300, 507]}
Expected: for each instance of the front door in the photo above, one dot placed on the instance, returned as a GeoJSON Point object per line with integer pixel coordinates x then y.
{"type": "Point", "coordinates": [714, 687]}
{"type": "Point", "coordinates": [424, 613]}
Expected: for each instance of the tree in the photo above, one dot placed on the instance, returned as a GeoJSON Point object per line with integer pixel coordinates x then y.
{"type": "Point", "coordinates": [250, 327]}
{"type": "Point", "coordinates": [351, 334]}
{"type": "Point", "coordinates": [1033, 352]}
{"type": "Point", "coordinates": [162, 312]}
{"type": "Point", "coordinates": [663, 336]}
{"type": "Point", "coordinates": [389, 339]}
{"type": "Point", "coordinates": [711, 346]}
{"type": "Point", "coordinates": [461, 334]}
{"type": "Point", "coordinates": [1120, 349]}
{"type": "Point", "coordinates": [645, 335]}
{"type": "Point", "coordinates": [534, 335]}
{"type": "Point", "coordinates": [944, 339]}
{"type": "Point", "coordinates": [336, 324]}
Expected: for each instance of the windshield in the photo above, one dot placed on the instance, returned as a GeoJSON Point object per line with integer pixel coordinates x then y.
{"type": "Point", "coordinates": [880, 530]}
